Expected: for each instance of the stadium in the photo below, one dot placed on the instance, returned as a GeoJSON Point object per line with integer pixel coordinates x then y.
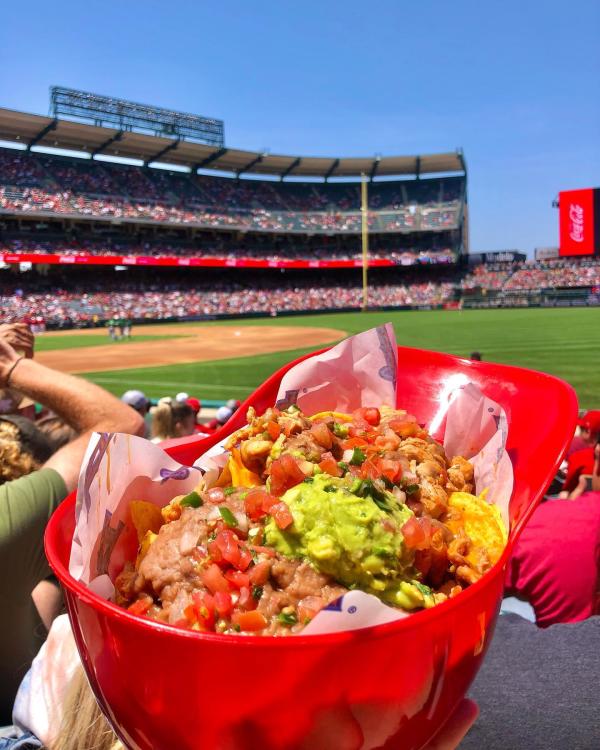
{"type": "Point", "coordinates": [85, 239]}
{"type": "Point", "coordinates": [319, 419]}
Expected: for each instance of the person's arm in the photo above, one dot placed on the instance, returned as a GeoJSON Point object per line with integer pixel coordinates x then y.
{"type": "Point", "coordinates": [84, 406]}
{"type": "Point", "coordinates": [572, 478]}
{"type": "Point", "coordinates": [596, 472]}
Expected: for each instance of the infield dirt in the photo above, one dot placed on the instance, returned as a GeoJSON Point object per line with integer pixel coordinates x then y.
{"type": "Point", "coordinates": [189, 344]}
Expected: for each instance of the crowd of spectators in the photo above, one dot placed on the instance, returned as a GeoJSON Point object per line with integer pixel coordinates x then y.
{"type": "Point", "coordinates": [65, 303]}
{"type": "Point", "coordinates": [36, 183]}
{"type": "Point", "coordinates": [529, 275]}
{"type": "Point", "coordinates": [60, 307]}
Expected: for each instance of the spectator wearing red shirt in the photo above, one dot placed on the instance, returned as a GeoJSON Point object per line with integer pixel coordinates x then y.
{"type": "Point", "coordinates": [555, 565]}
{"type": "Point", "coordinates": [581, 462]}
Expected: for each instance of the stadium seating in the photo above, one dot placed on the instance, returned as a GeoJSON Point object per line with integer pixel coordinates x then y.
{"type": "Point", "coordinates": [40, 183]}
{"type": "Point", "coordinates": [62, 308]}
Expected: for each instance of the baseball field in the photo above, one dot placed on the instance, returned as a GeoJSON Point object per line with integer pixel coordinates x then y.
{"type": "Point", "coordinates": [228, 359]}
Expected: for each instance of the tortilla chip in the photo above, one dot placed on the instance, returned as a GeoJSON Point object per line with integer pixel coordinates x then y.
{"type": "Point", "coordinates": [145, 517]}
{"type": "Point", "coordinates": [240, 475]}
{"type": "Point", "coordinates": [149, 538]}
{"type": "Point", "coordinates": [337, 415]}
{"type": "Point", "coordinates": [482, 523]}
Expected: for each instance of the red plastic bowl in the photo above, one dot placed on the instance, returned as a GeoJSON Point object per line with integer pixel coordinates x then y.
{"type": "Point", "coordinates": [388, 686]}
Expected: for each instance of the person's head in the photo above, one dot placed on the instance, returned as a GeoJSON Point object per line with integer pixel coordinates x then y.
{"type": "Point", "coordinates": [172, 419]}
{"type": "Point", "coordinates": [182, 396]}
{"type": "Point", "coordinates": [223, 414]}
{"type": "Point", "coordinates": [137, 400]}
{"type": "Point", "coordinates": [589, 426]}
{"type": "Point", "coordinates": [196, 405]}
{"type": "Point", "coordinates": [23, 448]}
{"type": "Point", "coordinates": [83, 724]}
{"type": "Point", "coordinates": [233, 404]}
{"type": "Point", "coordinates": [57, 431]}
{"type": "Point", "coordinates": [475, 356]}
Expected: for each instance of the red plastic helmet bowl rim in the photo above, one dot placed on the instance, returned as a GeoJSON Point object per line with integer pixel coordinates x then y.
{"type": "Point", "coordinates": [82, 592]}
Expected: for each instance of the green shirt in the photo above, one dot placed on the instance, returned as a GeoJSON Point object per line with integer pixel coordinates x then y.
{"type": "Point", "coordinates": [26, 504]}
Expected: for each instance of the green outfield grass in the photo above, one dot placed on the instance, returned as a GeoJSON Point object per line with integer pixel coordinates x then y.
{"type": "Point", "coordinates": [52, 343]}
{"type": "Point", "coordinates": [564, 342]}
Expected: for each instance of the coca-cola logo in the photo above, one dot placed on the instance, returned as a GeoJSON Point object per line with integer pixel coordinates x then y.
{"type": "Point", "coordinates": [576, 222]}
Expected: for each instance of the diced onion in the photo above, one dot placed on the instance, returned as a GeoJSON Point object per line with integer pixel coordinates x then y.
{"type": "Point", "coordinates": [188, 541]}
{"type": "Point", "coordinates": [242, 520]}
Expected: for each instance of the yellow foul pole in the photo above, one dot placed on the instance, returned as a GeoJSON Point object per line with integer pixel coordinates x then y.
{"type": "Point", "coordinates": [364, 205]}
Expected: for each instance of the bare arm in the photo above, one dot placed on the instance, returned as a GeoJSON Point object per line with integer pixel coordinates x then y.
{"type": "Point", "coordinates": [83, 405]}
{"type": "Point", "coordinates": [596, 474]}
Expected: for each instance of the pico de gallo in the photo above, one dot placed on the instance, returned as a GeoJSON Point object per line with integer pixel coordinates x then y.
{"type": "Point", "coordinates": [305, 509]}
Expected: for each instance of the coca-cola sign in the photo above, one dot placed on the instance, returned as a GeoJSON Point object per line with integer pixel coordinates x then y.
{"type": "Point", "coordinates": [579, 221]}
{"type": "Point", "coordinates": [576, 222]}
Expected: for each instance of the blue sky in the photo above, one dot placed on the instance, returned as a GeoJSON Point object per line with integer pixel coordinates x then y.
{"type": "Point", "coordinates": [515, 84]}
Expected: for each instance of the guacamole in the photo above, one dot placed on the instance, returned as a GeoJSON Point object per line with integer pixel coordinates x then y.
{"type": "Point", "coordinates": [350, 529]}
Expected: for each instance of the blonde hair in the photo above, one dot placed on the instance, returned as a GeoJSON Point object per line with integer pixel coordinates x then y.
{"type": "Point", "coordinates": [166, 415]}
{"type": "Point", "coordinates": [14, 461]}
{"type": "Point", "coordinates": [83, 725]}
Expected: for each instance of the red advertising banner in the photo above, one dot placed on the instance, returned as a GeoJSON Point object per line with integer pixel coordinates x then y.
{"type": "Point", "coordinates": [144, 260]}
{"type": "Point", "coordinates": [577, 222]}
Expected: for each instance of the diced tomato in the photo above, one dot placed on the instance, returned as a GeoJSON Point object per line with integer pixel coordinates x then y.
{"type": "Point", "coordinates": [358, 428]}
{"type": "Point", "coordinates": [268, 502]}
{"type": "Point", "coordinates": [282, 515]}
{"type": "Point", "coordinates": [190, 614]}
{"type": "Point", "coordinates": [354, 442]}
{"type": "Point", "coordinates": [369, 414]}
{"type": "Point", "coordinates": [285, 473]}
{"type": "Point", "coordinates": [253, 503]}
{"type": "Point", "coordinates": [246, 600]}
{"type": "Point", "coordinates": [329, 465]}
{"type": "Point", "coordinates": [274, 430]}
{"type": "Point", "coordinates": [250, 621]}
{"type": "Point", "coordinates": [237, 578]}
{"type": "Point", "coordinates": [245, 558]}
{"type": "Point", "coordinates": [214, 580]}
{"type": "Point", "coordinates": [204, 608]}
{"type": "Point", "coordinates": [414, 535]}
{"type": "Point", "coordinates": [216, 495]}
{"type": "Point", "coordinates": [322, 435]}
{"type": "Point", "coordinates": [228, 543]}
{"type": "Point", "coordinates": [369, 470]}
{"type": "Point", "coordinates": [141, 606]}
{"type": "Point", "coordinates": [223, 603]}
{"type": "Point", "coordinates": [259, 573]}
{"type": "Point", "coordinates": [390, 468]}
{"type": "Point", "coordinates": [215, 554]}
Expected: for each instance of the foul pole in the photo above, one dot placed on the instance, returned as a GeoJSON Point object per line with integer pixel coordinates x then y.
{"type": "Point", "coordinates": [364, 206]}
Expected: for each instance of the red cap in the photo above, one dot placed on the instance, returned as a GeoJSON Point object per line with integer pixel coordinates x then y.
{"type": "Point", "coordinates": [195, 403]}
{"type": "Point", "coordinates": [590, 421]}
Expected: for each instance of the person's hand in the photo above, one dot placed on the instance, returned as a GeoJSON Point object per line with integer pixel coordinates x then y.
{"type": "Point", "coordinates": [9, 359]}
{"type": "Point", "coordinates": [19, 337]}
{"type": "Point", "coordinates": [368, 726]}
{"type": "Point", "coordinates": [454, 730]}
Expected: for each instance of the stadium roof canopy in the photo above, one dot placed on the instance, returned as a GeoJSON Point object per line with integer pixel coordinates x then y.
{"type": "Point", "coordinates": [37, 130]}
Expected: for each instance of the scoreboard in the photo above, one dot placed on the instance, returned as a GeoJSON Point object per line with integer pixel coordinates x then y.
{"type": "Point", "coordinates": [579, 217]}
